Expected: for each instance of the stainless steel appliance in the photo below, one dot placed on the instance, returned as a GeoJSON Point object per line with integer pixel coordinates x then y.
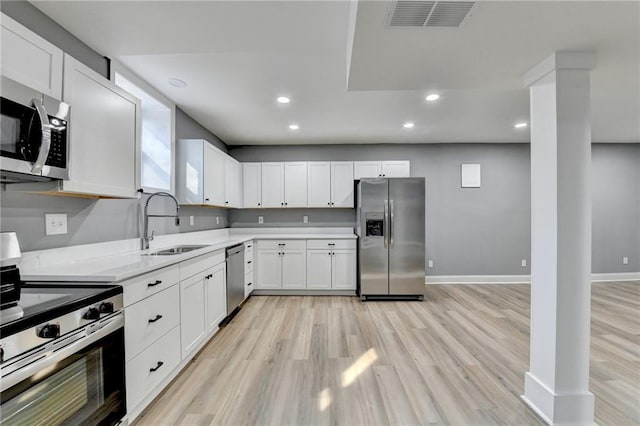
{"type": "Point", "coordinates": [390, 227]}
{"type": "Point", "coordinates": [62, 355]}
{"type": "Point", "coordinates": [235, 278]}
{"type": "Point", "coordinates": [33, 135]}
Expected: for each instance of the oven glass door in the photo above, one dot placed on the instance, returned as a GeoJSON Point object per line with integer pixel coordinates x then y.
{"type": "Point", "coordinates": [86, 388]}
{"type": "Point", "coordinates": [20, 131]}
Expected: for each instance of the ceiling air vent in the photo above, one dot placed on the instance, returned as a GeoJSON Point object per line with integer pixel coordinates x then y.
{"type": "Point", "coordinates": [417, 13]}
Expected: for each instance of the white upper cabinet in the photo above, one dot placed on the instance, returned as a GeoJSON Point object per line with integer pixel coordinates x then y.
{"type": "Point", "coordinates": [319, 184]}
{"type": "Point", "coordinates": [251, 185]}
{"type": "Point", "coordinates": [396, 169]}
{"type": "Point", "coordinates": [372, 169]}
{"type": "Point", "coordinates": [213, 176]}
{"type": "Point", "coordinates": [342, 184]}
{"type": "Point", "coordinates": [104, 134]}
{"type": "Point", "coordinates": [295, 184]}
{"type": "Point", "coordinates": [207, 176]}
{"type": "Point", "coordinates": [367, 169]}
{"type": "Point", "coordinates": [29, 59]}
{"type": "Point", "coordinates": [272, 185]}
{"type": "Point", "coordinates": [232, 182]}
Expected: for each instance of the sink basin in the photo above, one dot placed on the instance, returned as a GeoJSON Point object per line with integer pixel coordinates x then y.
{"type": "Point", "coordinates": [176, 250]}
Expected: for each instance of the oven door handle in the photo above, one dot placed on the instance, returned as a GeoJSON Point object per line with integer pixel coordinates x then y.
{"type": "Point", "coordinates": [53, 354]}
{"type": "Point", "coordinates": [45, 143]}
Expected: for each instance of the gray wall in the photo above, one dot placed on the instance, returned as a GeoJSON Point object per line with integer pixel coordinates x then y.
{"type": "Point", "coordinates": [482, 231]}
{"type": "Point", "coordinates": [91, 220]}
{"type": "Point", "coordinates": [616, 207]}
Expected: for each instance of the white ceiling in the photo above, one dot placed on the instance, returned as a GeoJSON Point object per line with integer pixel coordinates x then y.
{"type": "Point", "coordinates": [238, 56]}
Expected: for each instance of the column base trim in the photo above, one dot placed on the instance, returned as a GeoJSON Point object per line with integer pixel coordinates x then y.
{"type": "Point", "coordinates": [521, 279]}
{"type": "Point", "coordinates": [558, 409]}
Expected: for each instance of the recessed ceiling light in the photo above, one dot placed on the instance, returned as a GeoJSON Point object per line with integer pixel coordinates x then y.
{"type": "Point", "coordinates": [176, 82]}
{"type": "Point", "coordinates": [283, 99]}
{"type": "Point", "coordinates": [520, 125]}
{"type": "Point", "coordinates": [293, 127]}
{"type": "Point", "coordinates": [432, 97]}
{"type": "Point", "coordinates": [408, 125]}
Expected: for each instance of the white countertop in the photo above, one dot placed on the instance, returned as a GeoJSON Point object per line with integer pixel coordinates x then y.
{"type": "Point", "coordinates": [118, 261]}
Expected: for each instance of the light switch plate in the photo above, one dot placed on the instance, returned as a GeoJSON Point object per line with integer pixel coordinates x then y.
{"type": "Point", "coordinates": [625, 260]}
{"type": "Point", "coordinates": [430, 264]}
{"type": "Point", "coordinates": [217, 220]}
{"type": "Point", "coordinates": [260, 219]}
{"type": "Point", "coordinates": [523, 263]}
{"type": "Point", "coordinates": [305, 219]}
{"type": "Point", "coordinates": [55, 223]}
{"type": "Point", "coordinates": [191, 220]}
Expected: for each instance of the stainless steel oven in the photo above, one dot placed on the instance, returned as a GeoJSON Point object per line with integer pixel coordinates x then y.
{"type": "Point", "coordinates": [62, 356]}
{"type": "Point", "coordinates": [33, 135]}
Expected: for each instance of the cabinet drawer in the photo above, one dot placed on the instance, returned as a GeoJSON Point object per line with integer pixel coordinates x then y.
{"type": "Point", "coordinates": [149, 319]}
{"type": "Point", "coordinates": [248, 255]}
{"type": "Point", "coordinates": [151, 367]}
{"type": "Point", "coordinates": [282, 244]}
{"type": "Point", "coordinates": [190, 267]}
{"type": "Point", "coordinates": [248, 277]}
{"type": "Point", "coordinates": [331, 244]}
{"type": "Point", "coordinates": [136, 289]}
{"type": "Point", "coordinates": [248, 266]}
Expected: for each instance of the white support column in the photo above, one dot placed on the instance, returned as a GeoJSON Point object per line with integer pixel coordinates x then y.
{"type": "Point", "coordinates": [557, 383]}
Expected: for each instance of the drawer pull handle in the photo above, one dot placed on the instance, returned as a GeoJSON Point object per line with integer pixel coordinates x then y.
{"type": "Point", "coordinates": [152, 320]}
{"type": "Point", "coordinates": [250, 261]}
{"type": "Point", "coordinates": [158, 365]}
{"type": "Point", "coordinates": [153, 284]}
{"type": "Point", "coordinates": [208, 276]}
{"type": "Point", "coordinates": [249, 246]}
{"type": "Point", "coordinates": [332, 244]}
{"type": "Point", "coordinates": [248, 285]}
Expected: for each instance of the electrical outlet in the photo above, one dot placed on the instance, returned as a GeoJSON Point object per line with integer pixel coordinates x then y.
{"type": "Point", "coordinates": [191, 220]}
{"type": "Point", "coordinates": [625, 260]}
{"type": "Point", "coordinates": [260, 219]}
{"type": "Point", "coordinates": [305, 219]}
{"type": "Point", "coordinates": [523, 263]}
{"type": "Point", "coordinates": [55, 224]}
{"type": "Point", "coordinates": [430, 264]}
{"type": "Point", "coordinates": [217, 220]}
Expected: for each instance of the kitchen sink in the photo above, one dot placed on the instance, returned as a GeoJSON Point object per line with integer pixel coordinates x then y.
{"type": "Point", "coordinates": [176, 250]}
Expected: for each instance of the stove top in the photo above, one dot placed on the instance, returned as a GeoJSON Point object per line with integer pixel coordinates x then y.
{"type": "Point", "coordinates": [39, 303]}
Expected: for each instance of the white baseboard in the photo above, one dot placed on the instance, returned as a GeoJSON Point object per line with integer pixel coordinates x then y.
{"type": "Point", "coordinates": [478, 279]}
{"type": "Point", "coordinates": [618, 276]}
{"type": "Point", "coordinates": [520, 279]}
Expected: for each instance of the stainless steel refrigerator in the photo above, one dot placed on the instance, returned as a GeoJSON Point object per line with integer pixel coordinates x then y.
{"type": "Point", "coordinates": [390, 227]}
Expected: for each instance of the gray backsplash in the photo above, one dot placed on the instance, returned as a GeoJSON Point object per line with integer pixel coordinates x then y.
{"type": "Point", "coordinates": [293, 218]}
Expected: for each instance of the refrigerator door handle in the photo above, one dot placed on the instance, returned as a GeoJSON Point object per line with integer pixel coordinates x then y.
{"type": "Point", "coordinates": [385, 229]}
{"type": "Point", "coordinates": [391, 223]}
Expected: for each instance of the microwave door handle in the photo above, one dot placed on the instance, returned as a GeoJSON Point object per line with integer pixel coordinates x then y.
{"type": "Point", "coordinates": [45, 145]}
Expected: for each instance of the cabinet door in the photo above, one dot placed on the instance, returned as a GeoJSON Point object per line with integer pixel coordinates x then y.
{"type": "Point", "coordinates": [29, 59]}
{"type": "Point", "coordinates": [396, 169]}
{"type": "Point", "coordinates": [213, 176]}
{"type": "Point", "coordinates": [272, 184]}
{"type": "Point", "coordinates": [294, 269]}
{"type": "Point", "coordinates": [251, 185]}
{"type": "Point", "coordinates": [342, 184]}
{"type": "Point", "coordinates": [269, 269]}
{"type": "Point", "coordinates": [343, 269]}
{"type": "Point", "coordinates": [319, 269]}
{"type": "Point", "coordinates": [319, 184]}
{"type": "Point", "coordinates": [366, 169]}
{"type": "Point", "coordinates": [193, 320]}
{"type": "Point", "coordinates": [103, 134]}
{"type": "Point", "coordinates": [232, 182]}
{"type": "Point", "coordinates": [295, 184]}
{"type": "Point", "coordinates": [216, 296]}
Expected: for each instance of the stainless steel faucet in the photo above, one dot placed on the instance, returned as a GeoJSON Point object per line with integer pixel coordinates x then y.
{"type": "Point", "coordinates": [146, 238]}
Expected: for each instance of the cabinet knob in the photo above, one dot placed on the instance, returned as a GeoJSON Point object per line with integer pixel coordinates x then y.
{"type": "Point", "coordinates": [259, 204]}
{"type": "Point", "coordinates": [206, 199]}
{"type": "Point", "coordinates": [226, 202]}
{"type": "Point", "coordinates": [286, 204]}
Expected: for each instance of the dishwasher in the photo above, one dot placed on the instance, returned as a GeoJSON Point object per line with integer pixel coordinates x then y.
{"type": "Point", "coordinates": [235, 280]}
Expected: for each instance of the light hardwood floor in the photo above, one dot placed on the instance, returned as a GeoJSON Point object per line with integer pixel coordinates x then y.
{"type": "Point", "coordinates": [457, 358]}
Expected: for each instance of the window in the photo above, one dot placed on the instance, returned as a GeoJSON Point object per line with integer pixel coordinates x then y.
{"type": "Point", "coordinates": [157, 145]}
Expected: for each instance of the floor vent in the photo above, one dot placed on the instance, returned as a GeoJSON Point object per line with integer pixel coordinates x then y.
{"type": "Point", "coordinates": [418, 13]}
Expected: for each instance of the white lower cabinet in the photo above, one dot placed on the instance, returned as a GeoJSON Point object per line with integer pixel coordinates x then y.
{"type": "Point", "coordinates": [311, 265]}
{"type": "Point", "coordinates": [149, 368]}
{"type": "Point", "coordinates": [343, 269]}
{"type": "Point", "coordinates": [319, 269]}
{"type": "Point", "coordinates": [193, 325]}
{"type": "Point", "coordinates": [216, 290]}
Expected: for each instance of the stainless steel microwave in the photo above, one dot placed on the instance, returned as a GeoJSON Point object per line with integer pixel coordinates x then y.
{"type": "Point", "coordinates": [34, 141]}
